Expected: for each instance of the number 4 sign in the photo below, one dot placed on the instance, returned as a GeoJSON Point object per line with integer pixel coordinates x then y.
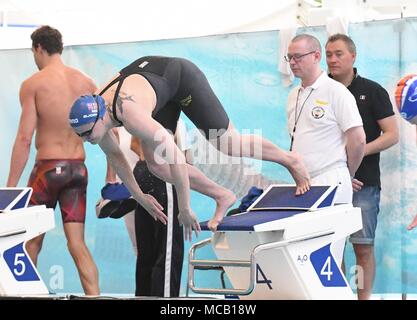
{"type": "Point", "coordinates": [326, 268]}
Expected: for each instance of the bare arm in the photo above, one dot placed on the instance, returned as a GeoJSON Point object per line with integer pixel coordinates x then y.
{"type": "Point", "coordinates": [110, 172]}
{"type": "Point", "coordinates": [118, 161]}
{"type": "Point", "coordinates": [388, 138]}
{"type": "Point", "coordinates": [27, 125]}
{"type": "Point", "coordinates": [173, 169]}
{"type": "Point", "coordinates": [355, 148]}
{"type": "Point", "coordinates": [157, 139]}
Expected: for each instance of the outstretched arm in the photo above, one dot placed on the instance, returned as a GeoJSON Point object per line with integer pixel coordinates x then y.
{"type": "Point", "coordinates": [118, 161]}
{"type": "Point", "coordinates": [198, 181]}
{"type": "Point", "coordinates": [27, 125]}
{"type": "Point", "coordinates": [168, 163]}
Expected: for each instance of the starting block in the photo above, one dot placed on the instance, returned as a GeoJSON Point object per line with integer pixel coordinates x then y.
{"type": "Point", "coordinates": [283, 247]}
{"type": "Point", "coordinates": [18, 224]}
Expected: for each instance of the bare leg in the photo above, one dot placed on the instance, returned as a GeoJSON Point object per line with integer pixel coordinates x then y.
{"type": "Point", "coordinates": [83, 260]}
{"type": "Point", "coordinates": [199, 182]}
{"type": "Point", "coordinates": [33, 247]}
{"type": "Point", "coordinates": [257, 147]}
{"type": "Point", "coordinates": [365, 258]}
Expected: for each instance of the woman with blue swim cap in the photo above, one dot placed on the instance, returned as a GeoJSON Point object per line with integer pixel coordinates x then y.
{"type": "Point", "coordinates": [147, 97]}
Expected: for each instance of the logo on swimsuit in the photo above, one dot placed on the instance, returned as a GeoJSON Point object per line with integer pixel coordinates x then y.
{"type": "Point", "coordinates": [186, 101]}
{"type": "Point", "coordinates": [143, 64]}
{"type": "Point", "coordinates": [317, 112]}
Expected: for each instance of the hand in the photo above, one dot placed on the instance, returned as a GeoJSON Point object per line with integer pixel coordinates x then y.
{"type": "Point", "coordinates": [188, 219]}
{"type": "Point", "coordinates": [356, 185]}
{"type": "Point", "coordinates": [412, 224]}
{"type": "Point", "coordinates": [154, 208]}
{"type": "Point", "coordinates": [299, 172]}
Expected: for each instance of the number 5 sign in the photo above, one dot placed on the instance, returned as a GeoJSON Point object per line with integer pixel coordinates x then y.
{"type": "Point", "coordinates": [19, 264]}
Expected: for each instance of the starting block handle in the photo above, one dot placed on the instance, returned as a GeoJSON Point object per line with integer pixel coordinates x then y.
{"type": "Point", "coordinates": [10, 233]}
{"type": "Point", "coordinates": [219, 263]}
{"type": "Point", "coordinates": [281, 243]}
{"type": "Point", "coordinates": [204, 264]}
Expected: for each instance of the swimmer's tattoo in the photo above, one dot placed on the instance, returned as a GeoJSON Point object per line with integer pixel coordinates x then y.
{"type": "Point", "coordinates": [121, 98]}
{"type": "Point", "coordinates": [108, 108]}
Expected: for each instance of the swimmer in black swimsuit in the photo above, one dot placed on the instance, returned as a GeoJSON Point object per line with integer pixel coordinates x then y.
{"type": "Point", "coordinates": [147, 98]}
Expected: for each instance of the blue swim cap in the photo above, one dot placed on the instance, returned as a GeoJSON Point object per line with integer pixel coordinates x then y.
{"type": "Point", "coordinates": [85, 108]}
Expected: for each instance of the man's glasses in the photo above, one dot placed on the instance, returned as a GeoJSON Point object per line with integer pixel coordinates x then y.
{"type": "Point", "coordinates": [89, 131]}
{"type": "Point", "coordinates": [297, 57]}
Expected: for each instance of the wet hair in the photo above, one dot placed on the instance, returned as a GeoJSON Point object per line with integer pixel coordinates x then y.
{"type": "Point", "coordinates": [48, 38]}
{"type": "Point", "coordinates": [312, 42]}
{"type": "Point", "coordinates": [342, 37]}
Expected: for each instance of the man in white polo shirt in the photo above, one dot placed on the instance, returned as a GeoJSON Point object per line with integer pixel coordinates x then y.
{"type": "Point", "coordinates": [323, 121]}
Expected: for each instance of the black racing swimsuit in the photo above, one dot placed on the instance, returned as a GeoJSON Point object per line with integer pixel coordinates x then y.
{"type": "Point", "coordinates": [179, 86]}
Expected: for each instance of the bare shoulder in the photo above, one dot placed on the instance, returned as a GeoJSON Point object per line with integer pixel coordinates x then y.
{"type": "Point", "coordinates": [31, 84]}
{"type": "Point", "coordinates": [82, 78]}
{"type": "Point", "coordinates": [77, 73]}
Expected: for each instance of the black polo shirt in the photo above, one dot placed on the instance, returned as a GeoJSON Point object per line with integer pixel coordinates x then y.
{"type": "Point", "coordinates": [374, 104]}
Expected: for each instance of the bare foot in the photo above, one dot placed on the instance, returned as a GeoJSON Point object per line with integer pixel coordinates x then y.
{"type": "Point", "coordinates": [299, 172]}
{"type": "Point", "coordinates": [224, 202]}
{"type": "Point", "coordinates": [213, 223]}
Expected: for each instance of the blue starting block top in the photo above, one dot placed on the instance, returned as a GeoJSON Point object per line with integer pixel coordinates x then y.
{"type": "Point", "coordinates": [14, 198]}
{"type": "Point", "coordinates": [278, 197]}
{"type": "Point", "coordinates": [248, 220]}
{"type": "Point", "coordinates": [276, 203]}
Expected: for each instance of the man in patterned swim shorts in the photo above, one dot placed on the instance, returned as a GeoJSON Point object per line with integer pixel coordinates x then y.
{"type": "Point", "coordinates": [59, 174]}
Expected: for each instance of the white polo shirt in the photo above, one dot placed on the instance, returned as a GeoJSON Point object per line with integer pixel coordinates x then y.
{"type": "Point", "coordinates": [325, 110]}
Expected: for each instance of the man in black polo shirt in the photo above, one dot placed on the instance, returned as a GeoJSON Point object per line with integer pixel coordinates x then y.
{"type": "Point", "coordinates": [378, 117]}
